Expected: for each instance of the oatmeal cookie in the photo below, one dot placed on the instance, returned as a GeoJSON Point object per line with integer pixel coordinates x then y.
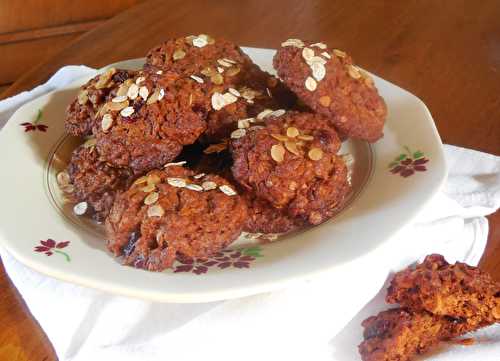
{"type": "Point", "coordinates": [327, 81]}
{"type": "Point", "coordinates": [174, 213]}
{"type": "Point", "coordinates": [292, 163]}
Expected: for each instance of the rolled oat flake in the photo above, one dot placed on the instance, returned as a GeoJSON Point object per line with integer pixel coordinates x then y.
{"type": "Point", "coordinates": [80, 208]}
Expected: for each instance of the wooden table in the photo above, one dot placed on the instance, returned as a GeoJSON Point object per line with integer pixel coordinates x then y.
{"type": "Point", "coordinates": [446, 52]}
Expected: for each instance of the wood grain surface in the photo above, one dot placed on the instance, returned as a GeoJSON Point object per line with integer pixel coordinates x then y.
{"type": "Point", "coordinates": [446, 52]}
{"type": "Point", "coordinates": [33, 30]}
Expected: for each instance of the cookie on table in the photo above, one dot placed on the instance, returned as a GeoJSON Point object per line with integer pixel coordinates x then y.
{"type": "Point", "coordinates": [91, 183]}
{"type": "Point", "coordinates": [237, 87]}
{"type": "Point", "coordinates": [174, 213]}
{"type": "Point", "coordinates": [400, 334]}
{"type": "Point", "coordinates": [329, 83]}
{"type": "Point", "coordinates": [80, 114]}
{"type": "Point", "coordinates": [458, 290]}
{"type": "Point", "coordinates": [147, 125]}
{"type": "Point", "coordinates": [292, 163]}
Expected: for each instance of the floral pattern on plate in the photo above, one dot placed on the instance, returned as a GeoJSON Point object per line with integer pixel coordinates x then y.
{"type": "Point", "coordinates": [240, 258]}
{"type": "Point", "coordinates": [49, 247]}
{"type": "Point", "coordinates": [35, 125]}
{"type": "Point", "coordinates": [407, 164]}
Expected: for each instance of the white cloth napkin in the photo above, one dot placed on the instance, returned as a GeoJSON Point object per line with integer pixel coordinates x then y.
{"type": "Point", "coordinates": [316, 320]}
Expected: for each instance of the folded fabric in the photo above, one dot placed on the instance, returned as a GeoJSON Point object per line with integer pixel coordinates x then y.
{"type": "Point", "coordinates": [315, 320]}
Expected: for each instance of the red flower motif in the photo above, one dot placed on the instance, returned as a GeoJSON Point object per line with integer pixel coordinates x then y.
{"type": "Point", "coordinates": [34, 126]}
{"type": "Point", "coordinates": [241, 258]}
{"type": "Point", "coordinates": [407, 164]}
{"type": "Point", "coordinates": [49, 247]}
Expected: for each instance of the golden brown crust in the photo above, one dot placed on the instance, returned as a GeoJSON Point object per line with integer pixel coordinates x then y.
{"type": "Point", "coordinates": [221, 68]}
{"type": "Point", "coordinates": [171, 213]}
{"type": "Point", "coordinates": [439, 302]}
{"type": "Point", "coordinates": [154, 130]}
{"type": "Point", "coordinates": [80, 114]}
{"type": "Point", "coordinates": [443, 289]}
{"type": "Point", "coordinates": [399, 334]}
{"type": "Point", "coordinates": [301, 175]}
{"type": "Point", "coordinates": [94, 181]}
{"type": "Point", "coordinates": [336, 89]}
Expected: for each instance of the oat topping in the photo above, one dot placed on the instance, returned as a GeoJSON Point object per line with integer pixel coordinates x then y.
{"type": "Point", "coordinates": [197, 79]}
{"type": "Point", "coordinates": [208, 185]}
{"type": "Point", "coordinates": [83, 97]}
{"type": "Point", "coordinates": [316, 59]}
{"type": "Point", "coordinates": [264, 113]}
{"type": "Point", "coordinates": [292, 132]}
{"type": "Point", "coordinates": [354, 72]}
{"type": "Point", "coordinates": [179, 164]}
{"type": "Point", "coordinates": [233, 71]}
{"type": "Point", "coordinates": [143, 92]}
{"type": "Point", "coordinates": [234, 92]}
{"type": "Point", "coordinates": [227, 190]}
{"type": "Point", "coordinates": [198, 176]}
{"type": "Point", "coordinates": [293, 42]}
{"type": "Point", "coordinates": [229, 98]}
{"type": "Point", "coordinates": [133, 91]}
{"type": "Point", "coordinates": [238, 133]}
{"type": "Point", "coordinates": [218, 101]}
{"type": "Point", "coordinates": [159, 72]}
{"type": "Point", "coordinates": [141, 180]}
{"type": "Point", "coordinates": [104, 79]}
{"type": "Point", "coordinates": [339, 53]}
{"type": "Point", "coordinates": [156, 211]}
{"type": "Point", "coordinates": [119, 99]}
{"type": "Point", "coordinates": [310, 84]}
{"type": "Point", "coordinates": [178, 54]}
{"type": "Point", "coordinates": [148, 188]}
{"type": "Point", "coordinates": [127, 112]}
{"type": "Point", "coordinates": [224, 63]}
{"type": "Point", "coordinates": [80, 208]}
{"type": "Point", "coordinates": [123, 89]}
{"type": "Point", "coordinates": [177, 182]}
{"type": "Point", "coordinates": [292, 141]}
{"type": "Point", "coordinates": [307, 53]}
{"type": "Point", "coordinates": [162, 94]}
{"type": "Point", "coordinates": [63, 178]}
{"type": "Point", "coordinates": [319, 45]}
{"type": "Point", "coordinates": [115, 106]}
{"type": "Point", "coordinates": [200, 41]}
{"type": "Point", "coordinates": [217, 79]}
{"type": "Point", "coordinates": [315, 154]}
{"type": "Point", "coordinates": [220, 69]}
{"type": "Point", "coordinates": [278, 113]}
{"type": "Point", "coordinates": [243, 123]}
{"type": "Point", "coordinates": [194, 187]}
{"type": "Point", "coordinates": [151, 198]}
{"type": "Point", "coordinates": [278, 153]}
{"type": "Point", "coordinates": [107, 122]}
{"type": "Point", "coordinates": [154, 97]}
{"type": "Point", "coordinates": [139, 80]}
{"type": "Point", "coordinates": [318, 71]}
{"type": "Point", "coordinates": [153, 179]}
{"type": "Point", "coordinates": [326, 55]}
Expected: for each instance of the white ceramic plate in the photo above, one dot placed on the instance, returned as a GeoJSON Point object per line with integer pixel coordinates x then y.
{"type": "Point", "coordinates": [39, 229]}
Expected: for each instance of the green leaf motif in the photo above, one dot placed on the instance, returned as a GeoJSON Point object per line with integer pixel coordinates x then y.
{"type": "Point", "coordinates": [401, 157]}
{"type": "Point", "coordinates": [418, 154]}
{"type": "Point", "coordinates": [38, 116]}
{"type": "Point", "coordinates": [252, 251]}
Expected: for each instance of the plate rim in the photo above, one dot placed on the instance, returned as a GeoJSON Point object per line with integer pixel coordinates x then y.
{"type": "Point", "coordinates": [207, 296]}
